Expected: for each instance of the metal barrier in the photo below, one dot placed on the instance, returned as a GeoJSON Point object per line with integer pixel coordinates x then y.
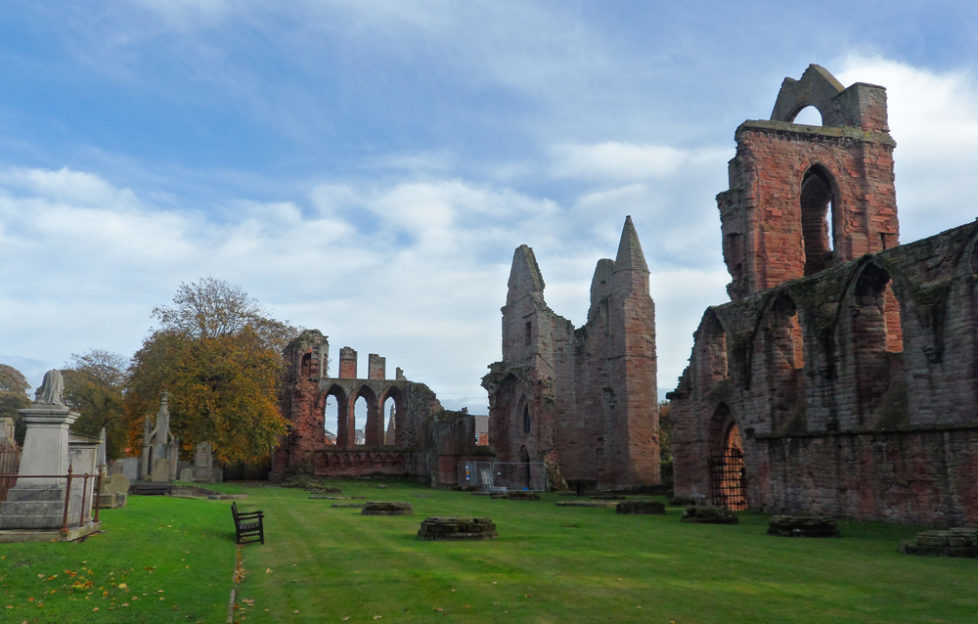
{"type": "Point", "coordinates": [504, 476]}
{"type": "Point", "coordinates": [89, 496]}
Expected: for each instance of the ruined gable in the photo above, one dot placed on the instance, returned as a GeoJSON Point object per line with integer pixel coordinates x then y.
{"type": "Point", "coordinates": [581, 401]}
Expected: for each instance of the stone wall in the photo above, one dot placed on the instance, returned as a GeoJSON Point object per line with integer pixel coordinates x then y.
{"type": "Point", "coordinates": [850, 389]}
{"type": "Point", "coordinates": [423, 430]}
{"type": "Point", "coordinates": [582, 401]}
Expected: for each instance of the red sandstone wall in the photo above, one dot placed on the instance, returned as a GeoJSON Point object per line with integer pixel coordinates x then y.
{"type": "Point", "coordinates": [895, 443]}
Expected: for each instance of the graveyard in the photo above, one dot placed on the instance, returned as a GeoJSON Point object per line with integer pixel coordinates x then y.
{"type": "Point", "coordinates": [167, 559]}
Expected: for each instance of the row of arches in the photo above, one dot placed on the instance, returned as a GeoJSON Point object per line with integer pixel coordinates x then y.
{"type": "Point", "coordinates": [790, 344]}
{"type": "Point", "coordinates": [375, 413]}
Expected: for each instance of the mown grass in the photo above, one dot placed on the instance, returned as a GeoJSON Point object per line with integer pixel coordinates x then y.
{"type": "Point", "coordinates": [158, 560]}
{"type": "Point", "coordinates": [558, 564]}
{"type": "Point", "coordinates": [171, 560]}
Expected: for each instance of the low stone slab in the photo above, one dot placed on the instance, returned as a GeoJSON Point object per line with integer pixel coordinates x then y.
{"type": "Point", "coordinates": [348, 505]}
{"type": "Point", "coordinates": [701, 514]}
{"type": "Point", "coordinates": [324, 489]}
{"type": "Point", "coordinates": [435, 528]}
{"type": "Point", "coordinates": [111, 500]}
{"type": "Point", "coordinates": [150, 488]}
{"type": "Point", "coordinates": [957, 542]}
{"type": "Point", "coordinates": [640, 507]}
{"type": "Point", "coordinates": [387, 508]}
{"type": "Point", "coordinates": [586, 503]}
{"type": "Point", "coordinates": [517, 495]}
{"type": "Point", "coordinates": [802, 526]}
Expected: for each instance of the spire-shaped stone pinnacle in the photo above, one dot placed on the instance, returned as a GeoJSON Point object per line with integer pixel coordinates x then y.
{"type": "Point", "coordinates": [630, 256]}
{"type": "Point", "coordinates": [524, 276]}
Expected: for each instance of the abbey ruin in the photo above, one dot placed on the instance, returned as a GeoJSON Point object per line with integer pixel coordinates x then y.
{"type": "Point", "coordinates": [582, 403]}
{"type": "Point", "coordinates": [424, 440]}
{"type": "Point", "coordinates": [842, 378]}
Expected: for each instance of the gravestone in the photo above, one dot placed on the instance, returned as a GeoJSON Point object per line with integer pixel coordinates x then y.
{"type": "Point", "coordinates": [7, 429]}
{"type": "Point", "coordinates": [203, 470]}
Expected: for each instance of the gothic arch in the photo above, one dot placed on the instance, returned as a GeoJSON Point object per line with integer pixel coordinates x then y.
{"type": "Point", "coordinates": [817, 88]}
{"type": "Point", "coordinates": [778, 342]}
{"type": "Point", "coordinates": [343, 437]}
{"type": "Point", "coordinates": [818, 201]}
{"type": "Point", "coordinates": [400, 413]}
{"type": "Point", "coordinates": [373, 428]}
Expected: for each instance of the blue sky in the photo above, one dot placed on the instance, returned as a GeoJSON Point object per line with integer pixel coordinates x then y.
{"type": "Point", "coordinates": [367, 168]}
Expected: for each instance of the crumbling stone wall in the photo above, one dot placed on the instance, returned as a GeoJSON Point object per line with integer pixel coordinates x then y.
{"type": "Point", "coordinates": [852, 388]}
{"type": "Point", "coordinates": [582, 401]}
{"type": "Point", "coordinates": [420, 419]}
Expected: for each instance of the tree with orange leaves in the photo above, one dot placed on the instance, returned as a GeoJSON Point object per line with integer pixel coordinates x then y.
{"type": "Point", "coordinates": [219, 356]}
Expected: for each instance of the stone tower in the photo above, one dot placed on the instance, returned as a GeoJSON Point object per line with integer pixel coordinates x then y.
{"type": "Point", "coordinates": [583, 402]}
{"type": "Point", "coordinates": [807, 198]}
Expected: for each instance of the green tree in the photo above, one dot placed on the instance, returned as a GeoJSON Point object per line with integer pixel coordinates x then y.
{"type": "Point", "coordinates": [94, 383]}
{"type": "Point", "coordinates": [13, 397]}
{"type": "Point", "coordinates": [219, 356]}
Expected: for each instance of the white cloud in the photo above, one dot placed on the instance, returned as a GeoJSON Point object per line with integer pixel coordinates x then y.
{"type": "Point", "coordinates": [934, 118]}
{"type": "Point", "coordinates": [617, 161]}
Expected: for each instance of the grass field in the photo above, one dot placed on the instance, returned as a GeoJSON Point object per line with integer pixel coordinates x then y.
{"type": "Point", "coordinates": [171, 560]}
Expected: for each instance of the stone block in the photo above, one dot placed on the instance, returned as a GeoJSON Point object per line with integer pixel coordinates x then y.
{"type": "Point", "coordinates": [640, 507]}
{"type": "Point", "coordinates": [436, 528]}
{"type": "Point", "coordinates": [700, 514]}
{"type": "Point", "coordinates": [387, 508]}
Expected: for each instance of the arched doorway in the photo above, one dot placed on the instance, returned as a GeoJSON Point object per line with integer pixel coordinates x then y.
{"type": "Point", "coordinates": [727, 466]}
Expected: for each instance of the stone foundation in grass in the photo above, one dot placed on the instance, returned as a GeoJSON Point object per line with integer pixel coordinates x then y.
{"type": "Point", "coordinates": [802, 526]}
{"type": "Point", "coordinates": [457, 529]}
{"type": "Point", "coordinates": [700, 514]}
{"type": "Point", "coordinates": [387, 508]}
{"type": "Point", "coordinates": [957, 542]}
{"type": "Point", "coordinates": [640, 507]}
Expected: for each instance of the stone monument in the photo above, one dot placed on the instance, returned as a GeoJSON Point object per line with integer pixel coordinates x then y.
{"type": "Point", "coordinates": [160, 448]}
{"type": "Point", "coordinates": [37, 501]}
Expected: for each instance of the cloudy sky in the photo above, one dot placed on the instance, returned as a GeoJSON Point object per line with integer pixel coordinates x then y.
{"type": "Point", "coordinates": [366, 167]}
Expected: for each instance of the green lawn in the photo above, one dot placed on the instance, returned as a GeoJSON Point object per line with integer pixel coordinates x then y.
{"type": "Point", "coordinates": [171, 560]}
{"type": "Point", "coordinates": [158, 560]}
{"type": "Point", "coordinates": [559, 564]}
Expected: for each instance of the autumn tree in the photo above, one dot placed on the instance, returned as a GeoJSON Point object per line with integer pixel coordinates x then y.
{"type": "Point", "coordinates": [218, 354]}
{"type": "Point", "coordinates": [13, 396]}
{"type": "Point", "coordinates": [94, 384]}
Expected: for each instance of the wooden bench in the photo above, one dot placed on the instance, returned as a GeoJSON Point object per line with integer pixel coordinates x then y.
{"type": "Point", "coordinates": [248, 525]}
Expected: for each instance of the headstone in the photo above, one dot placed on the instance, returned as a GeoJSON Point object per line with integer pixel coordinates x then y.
{"type": "Point", "coordinates": [130, 468]}
{"type": "Point", "coordinates": [100, 457]}
{"type": "Point", "coordinates": [7, 429]}
{"type": "Point", "coordinates": [116, 484]}
{"type": "Point", "coordinates": [203, 470]}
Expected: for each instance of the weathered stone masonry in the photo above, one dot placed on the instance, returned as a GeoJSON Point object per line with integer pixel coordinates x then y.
{"type": "Point", "coordinates": [427, 440]}
{"type": "Point", "coordinates": [583, 402]}
{"type": "Point", "coordinates": [847, 365]}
